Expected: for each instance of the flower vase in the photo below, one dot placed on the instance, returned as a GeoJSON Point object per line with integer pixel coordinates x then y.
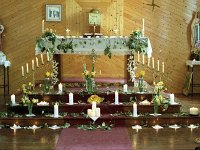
{"type": "Point", "coordinates": [30, 109]}
{"type": "Point", "coordinates": [141, 85]}
{"type": "Point", "coordinates": [155, 107]}
{"type": "Point", "coordinates": [47, 84]}
{"type": "Point", "coordinates": [90, 84]}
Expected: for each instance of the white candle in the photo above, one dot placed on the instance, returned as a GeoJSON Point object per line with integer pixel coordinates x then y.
{"type": "Point", "coordinates": [37, 64]}
{"type": "Point", "coordinates": [194, 111]}
{"type": "Point", "coordinates": [48, 58]}
{"type": "Point", "coordinates": [125, 88]}
{"type": "Point", "coordinates": [56, 110]}
{"type": "Point", "coordinates": [171, 98]}
{"type": "Point", "coordinates": [42, 60]}
{"type": "Point", "coordinates": [94, 106]}
{"type": "Point", "coordinates": [97, 112]}
{"type": "Point", "coordinates": [143, 59]}
{"type": "Point", "coordinates": [163, 67]}
{"type": "Point", "coordinates": [60, 88]}
{"type": "Point", "coordinates": [27, 69]}
{"type": "Point", "coordinates": [148, 63]}
{"type": "Point", "coordinates": [33, 64]}
{"type": "Point", "coordinates": [152, 62]}
{"type": "Point", "coordinates": [138, 56]}
{"type": "Point", "coordinates": [135, 110]}
{"type": "Point", "coordinates": [143, 27]}
{"type": "Point", "coordinates": [43, 26]}
{"type": "Point", "coordinates": [116, 97]}
{"type": "Point", "coordinates": [158, 64]}
{"type": "Point", "coordinates": [22, 71]}
{"type": "Point", "coordinates": [71, 98]}
{"type": "Point", "coordinates": [13, 99]}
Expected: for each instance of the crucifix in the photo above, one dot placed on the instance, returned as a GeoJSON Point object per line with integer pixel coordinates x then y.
{"type": "Point", "coordinates": [153, 5]}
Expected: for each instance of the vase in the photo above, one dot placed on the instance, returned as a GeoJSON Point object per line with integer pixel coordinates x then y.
{"type": "Point", "coordinates": [141, 85]}
{"type": "Point", "coordinates": [30, 109]}
{"type": "Point", "coordinates": [90, 85]}
{"type": "Point", "coordinates": [155, 107]}
{"type": "Point", "coordinates": [47, 84]}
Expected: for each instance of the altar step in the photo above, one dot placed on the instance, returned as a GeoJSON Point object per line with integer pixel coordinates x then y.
{"type": "Point", "coordinates": [164, 119]}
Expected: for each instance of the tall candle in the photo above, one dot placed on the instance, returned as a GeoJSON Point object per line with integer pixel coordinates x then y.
{"type": "Point", "coordinates": [56, 110]}
{"type": "Point", "coordinates": [171, 98]}
{"type": "Point", "coordinates": [138, 56]}
{"type": "Point", "coordinates": [43, 26]}
{"type": "Point", "coordinates": [152, 62]}
{"type": "Point", "coordinates": [135, 110]}
{"type": "Point", "coordinates": [60, 88]}
{"type": "Point", "coordinates": [71, 98]}
{"type": "Point", "coordinates": [143, 59]}
{"type": "Point", "coordinates": [116, 97]}
{"type": "Point", "coordinates": [22, 71]}
{"type": "Point", "coordinates": [27, 69]}
{"type": "Point", "coordinates": [13, 99]}
{"type": "Point", "coordinates": [33, 66]}
{"type": "Point", "coordinates": [48, 59]}
{"type": "Point", "coordinates": [125, 88]}
{"type": "Point", "coordinates": [158, 64]}
{"type": "Point", "coordinates": [143, 27]}
{"type": "Point", "coordinates": [37, 64]}
{"type": "Point", "coordinates": [163, 67]}
{"type": "Point", "coordinates": [148, 62]}
{"type": "Point", "coordinates": [42, 60]}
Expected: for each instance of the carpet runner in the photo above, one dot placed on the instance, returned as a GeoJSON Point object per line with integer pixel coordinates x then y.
{"type": "Point", "coordinates": [76, 139]}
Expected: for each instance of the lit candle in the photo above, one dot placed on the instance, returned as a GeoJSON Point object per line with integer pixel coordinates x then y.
{"type": "Point", "coordinates": [138, 56]}
{"type": "Point", "coordinates": [97, 112]}
{"type": "Point", "coordinates": [42, 60]}
{"type": "Point", "coordinates": [116, 97]}
{"type": "Point", "coordinates": [158, 63]}
{"type": "Point", "coordinates": [60, 88]}
{"type": "Point", "coordinates": [171, 98]}
{"type": "Point", "coordinates": [194, 111]}
{"type": "Point", "coordinates": [125, 88]}
{"type": "Point", "coordinates": [48, 59]}
{"type": "Point", "coordinates": [37, 64]}
{"type": "Point", "coordinates": [27, 69]}
{"type": "Point", "coordinates": [135, 110]}
{"type": "Point", "coordinates": [71, 98]}
{"type": "Point", "coordinates": [56, 110]}
{"type": "Point", "coordinates": [43, 26]}
{"type": "Point", "coordinates": [22, 71]}
{"type": "Point", "coordinates": [33, 66]}
{"type": "Point", "coordinates": [143, 59]}
{"type": "Point", "coordinates": [148, 63]}
{"type": "Point", "coordinates": [152, 62]}
{"type": "Point", "coordinates": [13, 99]}
{"type": "Point", "coordinates": [163, 67]}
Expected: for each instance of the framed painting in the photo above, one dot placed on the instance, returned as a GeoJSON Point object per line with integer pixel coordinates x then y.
{"type": "Point", "coordinates": [53, 12]}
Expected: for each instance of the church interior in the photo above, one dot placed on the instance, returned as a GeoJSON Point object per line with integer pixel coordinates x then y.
{"type": "Point", "coordinates": [99, 74]}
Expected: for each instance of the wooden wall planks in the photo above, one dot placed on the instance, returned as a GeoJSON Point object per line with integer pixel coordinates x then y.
{"type": "Point", "coordinates": [168, 28]}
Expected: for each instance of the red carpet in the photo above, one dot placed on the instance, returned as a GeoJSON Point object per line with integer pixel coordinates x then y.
{"type": "Point", "coordinates": [76, 139]}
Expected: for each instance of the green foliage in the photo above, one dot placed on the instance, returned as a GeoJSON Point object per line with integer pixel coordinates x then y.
{"type": "Point", "coordinates": [108, 52]}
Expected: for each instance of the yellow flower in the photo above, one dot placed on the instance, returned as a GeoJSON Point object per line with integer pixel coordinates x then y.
{"type": "Point", "coordinates": [48, 74]}
{"type": "Point", "coordinates": [93, 73]}
{"type": "Point", "coordinates": [95, 98]}
{"type": "Point", "coordinates": [142, 73]}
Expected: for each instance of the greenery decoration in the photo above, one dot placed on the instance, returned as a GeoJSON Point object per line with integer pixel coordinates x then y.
{"type": "Point", "coordinates": [66, 47]}
{"type": "Point", "coordinates": [90, 126]}
{"type": "Point", "coordinates": [108, 52]}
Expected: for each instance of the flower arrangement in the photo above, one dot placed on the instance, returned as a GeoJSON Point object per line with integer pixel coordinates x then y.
{"type": "Point", "coordinates": [88, 74]}
{"type": "Point", "coordinates": [27, 101]}
{"type": "Point", "coordinates": [95, 98]}
{"type": "Point", "coordinates": [26, 89]}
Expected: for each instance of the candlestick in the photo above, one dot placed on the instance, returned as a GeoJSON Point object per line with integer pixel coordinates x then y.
{"type": "Point", "coordinates": [71, 98]}
{"type": "Point", "coordinates": [152, 62]}
{"type": "Point", "coordinates": [171, 98]}
{"type": "Point", "coordinates": [43, 26]}
{"type": "Point", "coordinates": [13, 99]}
{"type": "Point", "coordinates": [163, 67]}
{"type": "Point", "coordinates": [148, 62]}
{"type": "Point", "coordinates": [135, 110]}
{"type": "Point", "coordinates": [143, 59]}
{"type": "Point", "coordinates": [22, 71]}
{"type": "Point", "coordinates": [60, 88]}
{"type": "Point", "coordinates": [37, 64]}
{"type": "Point", "coordinates": [33, 66]}
{"type": "Point", "coordinates": [158, 63]}
{"type": "Point", "coordinates": [138, 56]}
{"type": "Point", "coordinates": [42, 60]}
{"type": "Point", "coordinates": [116, 98]}
{"type": "Point", "coordinates": [125, 88]}
{"type": "Point", "coordinates": [27, 69]}
{"type": "Point", "coordinates": [56, 110]}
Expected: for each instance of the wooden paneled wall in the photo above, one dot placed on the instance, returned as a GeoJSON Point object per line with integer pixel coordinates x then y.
{"type": "Point", "coordinates": [168, 28]}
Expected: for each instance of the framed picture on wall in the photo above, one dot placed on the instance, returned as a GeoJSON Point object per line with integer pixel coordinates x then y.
{"type": "Point", "coordinates": [53, 13]}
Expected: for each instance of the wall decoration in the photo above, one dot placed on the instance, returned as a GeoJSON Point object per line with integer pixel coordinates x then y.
{"type": "Point", "coordinates": [53, 12]}
{"type": "Point", "coordinates": [153, 5]}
